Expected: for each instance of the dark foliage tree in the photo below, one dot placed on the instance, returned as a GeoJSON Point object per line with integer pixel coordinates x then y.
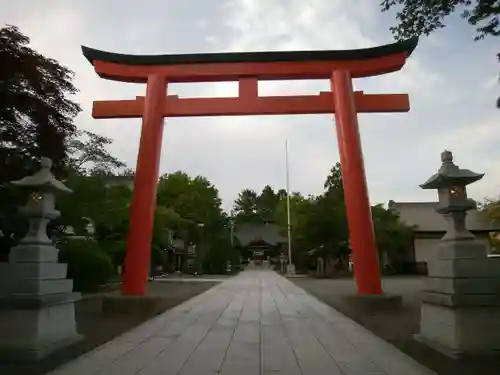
{"type": "Point", "coordinates": [245, 209]}
{"type": "Point", "coordinates": [88, 154]}
{"type": "Point", "coordinates": [393, 236]}
{"type": "Point", "coordinates": [319, 224]}
{"type": "Point", "coordinates": [266, 204]}
{"type": "Point", "coordinates": [416, 17]}
{"type": "Point", "coordinates": [191, 207]}
{"type": "Point", "coordinates": [36, 119]}
{"type": "Point", "coordinates": [36, 116]}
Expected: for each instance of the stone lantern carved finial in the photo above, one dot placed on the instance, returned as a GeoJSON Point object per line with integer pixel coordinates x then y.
{"type": "Point", "coordinates": [447, 156]}
{"type": "Point", "coordinates": [46, 163]}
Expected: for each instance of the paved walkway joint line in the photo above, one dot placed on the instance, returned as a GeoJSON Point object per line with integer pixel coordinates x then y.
{"type": "Point", "coordinates": [255, 323]}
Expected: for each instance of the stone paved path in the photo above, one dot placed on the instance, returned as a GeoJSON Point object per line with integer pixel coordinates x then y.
{"type": "Point", "coordinates": [255, 323]}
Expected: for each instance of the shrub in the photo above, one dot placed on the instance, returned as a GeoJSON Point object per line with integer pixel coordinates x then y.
{"type": "Point", "coordinates": [88, 265]}
{"type": "Point", "coordinates": [115, 250]}
{"type": "Point", "coordinates": [158, 255]}
{"type": "Point", "coordinates": [217, 258]}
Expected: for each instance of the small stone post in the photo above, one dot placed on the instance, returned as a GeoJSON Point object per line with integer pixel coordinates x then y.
{"type": "Point", "coordinates": [37, 313]}
{"type": "Point", "coordinates": [461, 300]}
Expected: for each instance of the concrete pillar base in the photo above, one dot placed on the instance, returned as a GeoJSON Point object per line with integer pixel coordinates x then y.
{"type": "Point", "coordinates": [374, 302]}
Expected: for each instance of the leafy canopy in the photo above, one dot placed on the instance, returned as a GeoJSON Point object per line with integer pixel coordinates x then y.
{"type": "Point", "coordinates": [416, 17]}
{"type": "Point", "coordinates": [320, 222]}
{"type": "Point", "coordinates": [88, 154]}
{"type": "Point", "coordinates": [36, 116]}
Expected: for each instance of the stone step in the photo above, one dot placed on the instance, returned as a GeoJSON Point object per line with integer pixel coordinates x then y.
{"type": "Point", "coordinates": [461, 300]}
{"type": "Point", "coordinates": [41, 287]}
{"type": "Point", "coordinates": [33, 253]}
{"type": "Point", "coordinates": [463, 285]}
{"type": "Point", "coordinates": [43, 270]}
{"type": "Point", "coordinates": [485, 268]}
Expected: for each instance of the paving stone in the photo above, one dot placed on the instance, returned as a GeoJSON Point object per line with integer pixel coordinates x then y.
{"type": "Point", "coordinates": [99, 358]}
{"type": "Point", "coordinates": [254, 323]}
{"type": "Point", "coordinates": [137, 358]}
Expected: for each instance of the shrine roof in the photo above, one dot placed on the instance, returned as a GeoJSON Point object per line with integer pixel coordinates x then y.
{"type": "Point", "coordinates": [259, 233]}
{"type": "Point", "coordinates": [407, 46]}
{"type": "Point", "coordinates": [423, 216]}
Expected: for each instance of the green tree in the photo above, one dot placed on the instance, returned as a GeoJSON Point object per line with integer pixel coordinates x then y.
{"type": "Point", "coordinates": [392, 235]}
{"type": "Point", "coordinates": [266, 204]}
{"type": "Point", "coordinates": [201, 219]}
{"type": "Point", "coordinates": [88, 265]}
{"type": "Point", "coordinates": [332, 233]}
{"type": "Point", "coordinates": [36, 119]}
{"type": "Point", "coordinates": [318, 222]}
{"type": "Point", "coordinates": [88, 201]}
{"type": "Point", "coordinates": [194, 199]}
{"type": "Point", "coordinates": [245, 209]}
{"type": "Point", "coordinates": [36, 116]}
{"type": "Point", "coordinates": [105, 207]}
{"type": "Point", "coordinates": [88, 154]}
{"type": "Point", "coordinates": [327, 228]}
{"type": "Point", "coordinates": [96, 197]}
{"type": "Point", "coordinates": [416, 17]}
{"type": "Point", "coordinates": [301, 210]}
{"type": "Point", "coordinates": [491, 208]}
{"type": "Point", "coordinates": [333, 181]}
{"type": "Point", "coordinates": [281, 194]}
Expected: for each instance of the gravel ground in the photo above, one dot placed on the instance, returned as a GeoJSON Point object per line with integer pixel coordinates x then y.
{"type": "Point", "coordinates": [99, 328]}
{"type": "Point", "coordinates": [397, 326]}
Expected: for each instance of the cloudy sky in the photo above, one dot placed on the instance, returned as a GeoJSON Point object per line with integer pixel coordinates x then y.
{"type": "Point", "coordinates": [452, 82]}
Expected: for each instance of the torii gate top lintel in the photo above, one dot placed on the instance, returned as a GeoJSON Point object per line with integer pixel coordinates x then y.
{"type": "Point", "coordinates": [274, 65]}
{"type": "Point", "coordinates": [248, 68]}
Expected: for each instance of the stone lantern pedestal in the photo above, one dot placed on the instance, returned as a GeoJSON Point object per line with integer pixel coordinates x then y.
{"type": "Point", "coordinates": [461, 301]}
{"type": "Point", "coordinates": [37, 314]}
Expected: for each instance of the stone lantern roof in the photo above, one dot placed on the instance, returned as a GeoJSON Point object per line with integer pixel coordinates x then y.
{"type": "Point", "coordinates": [450, 174]}
{"type": "Point", "coordinates": [43, 179]}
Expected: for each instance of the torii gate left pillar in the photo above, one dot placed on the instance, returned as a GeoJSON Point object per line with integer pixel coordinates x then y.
{"type": "Point", "coordinates": [248, 68]}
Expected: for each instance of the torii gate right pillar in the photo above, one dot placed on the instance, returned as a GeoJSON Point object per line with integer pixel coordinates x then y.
{"type": "Point", "coordinates": [359, 219]}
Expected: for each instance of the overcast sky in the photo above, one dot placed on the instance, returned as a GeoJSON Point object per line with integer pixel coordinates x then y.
{"type": "Point", "coordinates": [452, 82]}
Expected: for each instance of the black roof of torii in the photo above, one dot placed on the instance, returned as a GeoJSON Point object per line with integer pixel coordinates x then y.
{"type": "Point", "coordinates": [251, 57]}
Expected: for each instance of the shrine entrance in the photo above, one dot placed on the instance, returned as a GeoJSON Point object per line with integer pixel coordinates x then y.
{"type": "Point", "coordinates": [247, 68]}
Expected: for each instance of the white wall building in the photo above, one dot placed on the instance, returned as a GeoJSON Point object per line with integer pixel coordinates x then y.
{"type": "Point", "coordinates": [430, 227]}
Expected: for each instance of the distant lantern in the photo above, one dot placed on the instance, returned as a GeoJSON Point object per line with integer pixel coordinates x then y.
{"type": "Point", "coordinates": [450, 182]}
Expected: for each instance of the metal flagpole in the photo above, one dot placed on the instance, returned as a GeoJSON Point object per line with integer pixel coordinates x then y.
{"type": "Point", "coordinates": [290, 268]}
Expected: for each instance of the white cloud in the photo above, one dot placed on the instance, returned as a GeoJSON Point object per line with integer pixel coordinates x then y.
{"type": "Point", "coordinates": [449, 109]}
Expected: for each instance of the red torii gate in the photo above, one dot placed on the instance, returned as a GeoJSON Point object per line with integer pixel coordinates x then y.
{"type": "Point", "coordinates": [248, 68]}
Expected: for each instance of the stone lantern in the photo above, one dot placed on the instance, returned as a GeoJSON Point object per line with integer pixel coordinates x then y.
{"type": "Point", "coordinates": [461, 299]}
{"type": "Point", "coordinates": [37, 313]}
{"type": "Point", "coordinates": [450, 182]}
